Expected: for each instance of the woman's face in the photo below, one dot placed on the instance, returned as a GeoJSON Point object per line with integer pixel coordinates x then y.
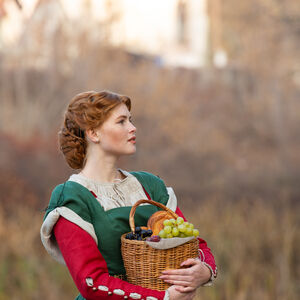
{"type": "Point", "coordinates": [117, 133]}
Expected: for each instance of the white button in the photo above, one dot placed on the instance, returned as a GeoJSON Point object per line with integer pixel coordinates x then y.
{"type": "Point", "coordinates": [119, 292]}
{"type": "Point", "coordinates": [89, 281]}
{"type": "Point", "coordinates": [135, 296]}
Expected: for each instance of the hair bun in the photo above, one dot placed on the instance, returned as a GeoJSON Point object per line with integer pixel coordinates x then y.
{"type": "Point", "coordinates": [73, 148]}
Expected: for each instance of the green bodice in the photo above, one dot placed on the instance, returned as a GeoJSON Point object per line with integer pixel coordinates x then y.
{"type": "Point", "coordinates": [109, 225]}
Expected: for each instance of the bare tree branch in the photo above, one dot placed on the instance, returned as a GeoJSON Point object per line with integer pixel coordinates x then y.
{"type": "Point", "coordinates": [18, 4]}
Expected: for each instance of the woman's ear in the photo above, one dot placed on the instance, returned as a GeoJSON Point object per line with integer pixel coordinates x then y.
{"type": "Point", "coordinates": [92, 136]}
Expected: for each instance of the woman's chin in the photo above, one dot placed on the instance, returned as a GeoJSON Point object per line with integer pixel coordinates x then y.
{"type": "Point", "coordinates": [128, 152]}
{"type": "Point", "coordinates": [132, 151]}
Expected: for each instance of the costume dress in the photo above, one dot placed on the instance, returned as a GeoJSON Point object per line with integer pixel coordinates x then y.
{"type": "Point", "coordinates": [84, 233]}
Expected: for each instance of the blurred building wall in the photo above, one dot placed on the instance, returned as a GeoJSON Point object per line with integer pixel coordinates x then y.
{"type": "Point", "coordinates": [174, 31]}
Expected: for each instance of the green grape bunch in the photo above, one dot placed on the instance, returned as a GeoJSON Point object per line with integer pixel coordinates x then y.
{"type": "Point", "coordinates": [177, 228]}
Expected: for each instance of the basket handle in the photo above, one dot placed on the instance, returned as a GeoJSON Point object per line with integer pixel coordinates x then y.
{"type": "Point", "coordinates": [133, 209]}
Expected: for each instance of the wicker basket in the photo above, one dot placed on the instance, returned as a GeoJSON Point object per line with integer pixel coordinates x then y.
{"type": "Point", "coordinates": [145, 264]}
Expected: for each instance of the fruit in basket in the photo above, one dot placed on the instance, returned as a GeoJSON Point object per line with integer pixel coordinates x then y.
{"type": "Point", "coordinates": [173, 221]}
{"type": "Point", "coordinates": [130, 236]}
{"type": "Point", "coordinates": [195, 232]}
{"type": "Point", "coordinates": [191, 226]}
{"type": "Point", "coordinates": [146, 233]}
{"type": "Point", "coordinates": [175, 231]}
{"type": "Point", "coordinates": [156, 221]}
{"type": "Point", "coordinates": [153, 238]}
{"type": "Point", "coordinates": [179, 220]}
{"type": "Point", "coordinates": [167, 229]}
{"type": "Point", "coordinates": [177, 228]}
{"type": "Point", "coordinates": [138, 229]}
{"type": "Point", "coordinates": [140, 234]}
{"type": "Point", "coordinates": [182, 228]}
{"type": "Point", "coordinates": [189, 231]}
{"type": "Point", "coordinates": [167, 223]}
{"type": "Point", "coordinates": [162, 234]}
{"type": "Point", "coordinates": [162, 225]}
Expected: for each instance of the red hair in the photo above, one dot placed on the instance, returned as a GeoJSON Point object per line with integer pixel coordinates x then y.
{"type": "Point", "coordinates": [86, 110]}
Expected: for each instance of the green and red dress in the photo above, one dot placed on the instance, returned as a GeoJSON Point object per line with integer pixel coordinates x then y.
{"type": "Point", "coordinates": [79, 232]}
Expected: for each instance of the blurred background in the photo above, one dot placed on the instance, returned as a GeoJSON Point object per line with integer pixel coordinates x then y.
{"type": "Point", "coordinates": [215, 87]}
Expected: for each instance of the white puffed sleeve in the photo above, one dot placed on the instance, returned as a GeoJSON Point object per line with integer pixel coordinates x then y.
{"type": "Point", "coordinates": [172, 202]}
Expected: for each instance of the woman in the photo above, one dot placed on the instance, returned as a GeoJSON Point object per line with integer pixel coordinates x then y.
{"type": "Point", "coordinates": [88, 213]}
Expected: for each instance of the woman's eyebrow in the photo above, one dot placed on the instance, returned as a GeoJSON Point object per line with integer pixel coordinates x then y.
{"type": "Point", "coordinates": [123, 116]}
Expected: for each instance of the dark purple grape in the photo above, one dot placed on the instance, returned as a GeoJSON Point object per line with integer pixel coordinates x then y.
{"type": "Point", "coordinates": [130, 236]}
{"type": "Point", "coordinates": [149, 232]}
{"type": "Point", "coordinates": [144, 233]}
{"type": "Point", "coordinates": [138, 229]}
{"type": "Point", "coordinates": [153, 238]}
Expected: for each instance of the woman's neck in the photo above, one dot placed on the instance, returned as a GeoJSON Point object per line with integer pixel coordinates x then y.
{"type": "Point", "coordinates": [101, 167]}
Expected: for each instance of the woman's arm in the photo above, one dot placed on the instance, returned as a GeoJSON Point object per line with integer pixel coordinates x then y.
{"type": "Point", "coordinates": [88, 267]}
{"type": "Point", "coordinates": [200, 272]}
{"type": "Point", "coordinates": [205, 254]}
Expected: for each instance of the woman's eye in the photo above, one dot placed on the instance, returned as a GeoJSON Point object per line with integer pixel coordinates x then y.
{"type": "Point", "coordinates": [121, 121]}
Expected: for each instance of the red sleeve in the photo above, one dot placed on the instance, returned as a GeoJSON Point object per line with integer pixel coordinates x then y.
{"type": "Point", "coordinates": [205, 254]}
{"type": "Point", "coordinates": [88, 267]}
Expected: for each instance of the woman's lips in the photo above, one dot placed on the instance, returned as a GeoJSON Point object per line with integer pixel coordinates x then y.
{"type": "Point", "coordinates": [132, 140]}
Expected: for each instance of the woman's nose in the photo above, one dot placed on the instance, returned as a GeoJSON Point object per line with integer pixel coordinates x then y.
{"type": "Point", "coordinates": [132, 128]}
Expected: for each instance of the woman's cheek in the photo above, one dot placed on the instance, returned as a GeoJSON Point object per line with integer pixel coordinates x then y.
{"type": "Point", "coordinates": [116, 138]}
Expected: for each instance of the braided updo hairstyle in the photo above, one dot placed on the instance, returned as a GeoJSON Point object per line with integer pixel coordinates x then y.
{"type": "Point", "coordinates": [86, 110]}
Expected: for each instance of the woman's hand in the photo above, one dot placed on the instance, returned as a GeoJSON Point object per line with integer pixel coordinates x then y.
{"type": "Point", "coordinates": [187, 279]}
{"type": "Point", "coordinates": [176, 295]}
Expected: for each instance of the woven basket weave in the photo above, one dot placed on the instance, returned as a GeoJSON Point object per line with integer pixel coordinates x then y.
{"type": "Point", "coordinates": [145, 264]}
